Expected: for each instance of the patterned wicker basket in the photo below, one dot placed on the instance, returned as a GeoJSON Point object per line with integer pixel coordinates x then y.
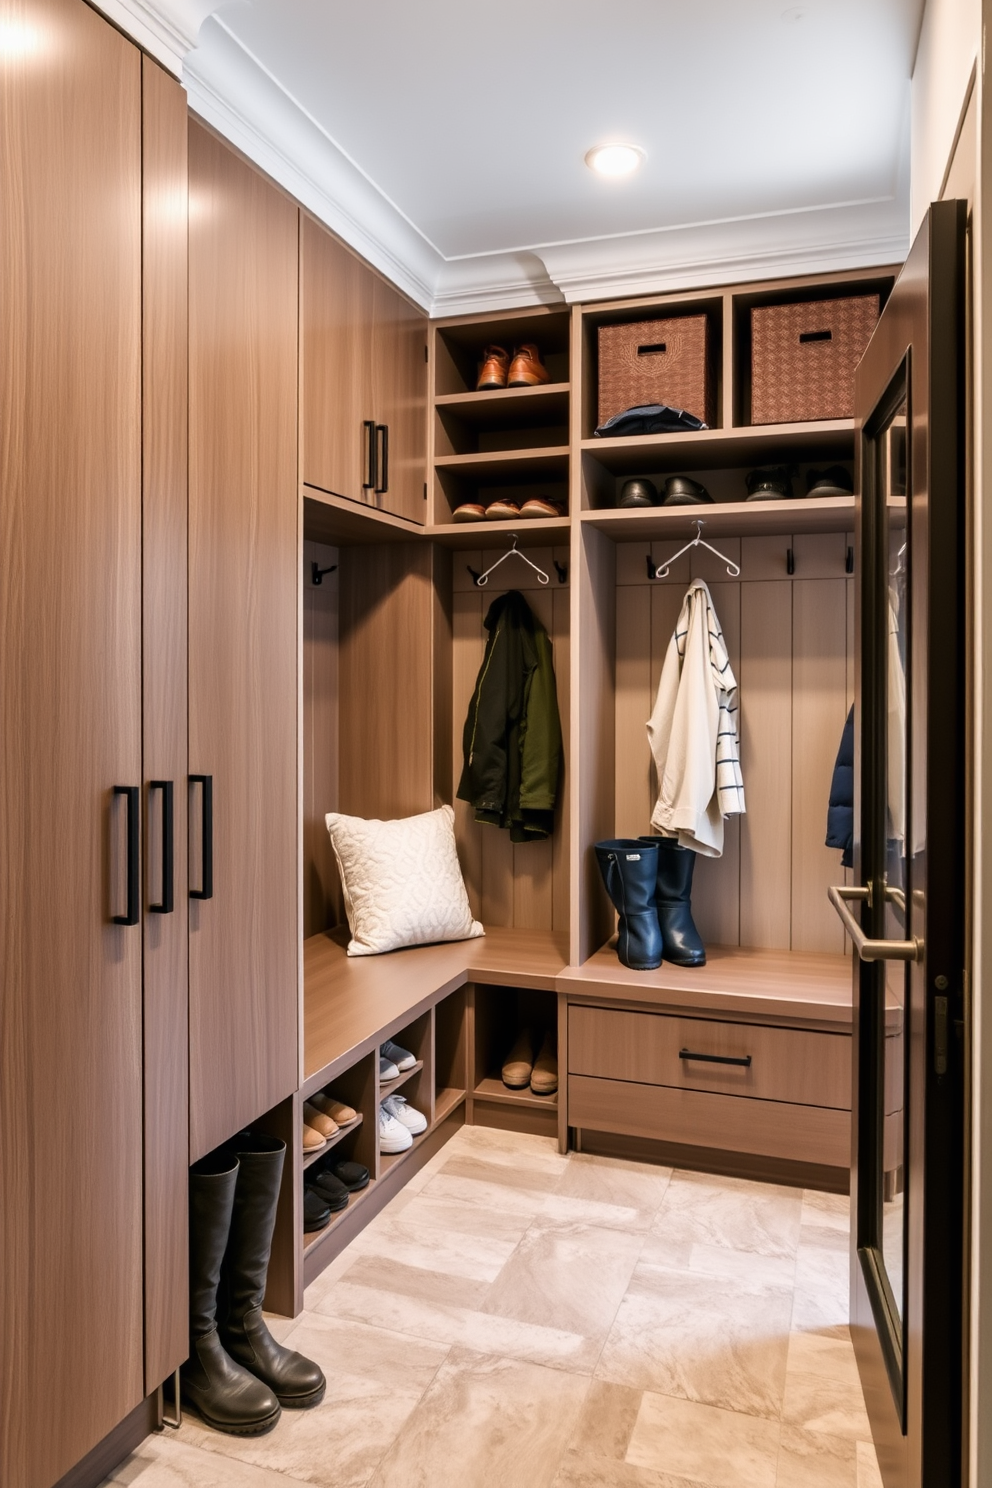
{"type": "Point", "coordinates": [803, 358]}
{"type": "Point", "coordinates": [656, 361]}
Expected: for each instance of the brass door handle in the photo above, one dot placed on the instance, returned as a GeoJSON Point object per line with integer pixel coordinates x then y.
{"type": "Point", "coordinates": [870, 950]}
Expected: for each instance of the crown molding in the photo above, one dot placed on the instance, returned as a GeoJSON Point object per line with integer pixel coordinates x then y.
{"type": "Point", "coordinates": [168, 29]}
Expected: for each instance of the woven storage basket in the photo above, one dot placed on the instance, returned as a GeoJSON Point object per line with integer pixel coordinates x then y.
{"type": "Point", "coordinates": [803, 358]}
{"type": "Point", "coordinates": [656, 361]}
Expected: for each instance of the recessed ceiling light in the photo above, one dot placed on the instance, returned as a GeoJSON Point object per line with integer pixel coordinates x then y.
{"type": "Point", "coordinates": [614, 160]}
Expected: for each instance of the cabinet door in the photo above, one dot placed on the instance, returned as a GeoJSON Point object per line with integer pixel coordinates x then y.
{"type": "Point", "coordinates": [399, 371]}
{"type": "Point", "coordinates": [164, 642]}
{"type": "Point", "coordinates": [70, 731]}
{"type": "Point", "coordinates": [338, 405]}
{"type": "Point", "coordinates": [244, 565]}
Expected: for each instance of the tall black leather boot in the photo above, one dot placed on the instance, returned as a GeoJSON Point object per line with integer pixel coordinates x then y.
{"type": "Point", "coordinates": [225, 1395]}
{"type": "Point", "coordinates": [630, 870]}
{"type": "Point", "coordinates": [297, 1382]}
{"type": "Point", "coordinates": [683, 943]}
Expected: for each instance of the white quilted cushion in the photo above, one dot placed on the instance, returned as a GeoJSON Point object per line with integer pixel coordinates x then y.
{"type": "Point", "coordinates": [402, 882]}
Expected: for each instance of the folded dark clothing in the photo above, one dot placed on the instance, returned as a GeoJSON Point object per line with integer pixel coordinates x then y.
{"type": "Point", "coordinates": [649, 418]}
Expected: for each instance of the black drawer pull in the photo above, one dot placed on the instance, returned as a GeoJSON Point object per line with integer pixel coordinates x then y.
{"type": "Point", "coordinates": [741, 1059]}
{"type": "Point", "coordinates": [168, 901]}
{"type": "Point", "coordinates": [206, 889]}
{"type": "Point", "coordinates": [131, 794]}
{"type": "Point", "coordinates": [371, 450]}
{"type": "Point", "coordinates": [806, 336]}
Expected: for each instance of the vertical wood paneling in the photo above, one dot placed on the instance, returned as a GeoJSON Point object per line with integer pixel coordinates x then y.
{"type": "Point", "coordinates": [71, 1355]}
{"type": "Point", "coordinates": [765, 682]}
{"type": "Point", "coordinates": [634, 795]}
{"type": "Point", "coordinates": [819, 706]}
{"type": "Point", "coordinates": [322, 906]}
{"type": "Point", "coordinates": [165, 386]}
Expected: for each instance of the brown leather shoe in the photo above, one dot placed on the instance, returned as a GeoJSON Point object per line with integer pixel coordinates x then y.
{"type": "Point", "coordinates": [502, 511]}
{"type": "Point", "coordinates": [469, 511]}
{"type": "Point", "coordinates": [540, 506]}
{"type": "Point", "coordinates": [495, 362]}
{"type": "Point", "coordinates": [527, 369]}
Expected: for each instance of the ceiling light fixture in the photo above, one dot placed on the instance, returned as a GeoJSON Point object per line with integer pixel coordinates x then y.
{"type": "Point", "coordinates": [614, 160]}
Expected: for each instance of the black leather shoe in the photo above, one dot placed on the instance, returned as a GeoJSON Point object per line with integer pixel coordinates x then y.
{"type": "Point", "coordinates": [330, 1189]}
{"type": "Point", "coordinates": [834, 481]}
{"type": "Point", "coordinates": [638, 493]}
{"type": "Point", "coordinates": [316, 1212]}
{"type": "Point", "coordinates": [769, 485]}
{"type": "Point", "coordinates": [681, 491]}
{"type": "Point", "coordinates": [354, 1175]}
{"type": "Point", "coordinates": [296, 1382]}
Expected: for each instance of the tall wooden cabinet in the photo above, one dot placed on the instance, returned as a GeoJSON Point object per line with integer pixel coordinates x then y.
{"type": "Point", "coordinates": [70, 735]}
{"type": "Point", "coordinates": [365, 382]}
{"type": "Point", "coordinates": [244, 563]}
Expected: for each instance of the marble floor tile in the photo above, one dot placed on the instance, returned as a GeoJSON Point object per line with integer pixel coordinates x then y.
{"type": "Point", "coordinates": [827, 1210]}
{"type": "Point", "coordinates": [165, 1462]}
{"type": "Point", "coordinates": [387, 1275]}
{"type": "Point", "coordinates": [608, 1192]}
{"type": "Point", "coordinates": [461, 1218]}
{"type": "Point", "coordinates": [596, 1472]}
{"type": "Point", "coordinates": [569, 1276]}
{"type": "Point", "coordinates": [701, 1209]}
{"type": "Point", "coordinates": [869, 1474]}
{"type": "Point", "coordinates": [746, 1265]}
{"type": "Point", "coordinates": [811, 1459]}
{"type": "Point", "coordinates": [721, 1448]}
{"type": "Point", "coordinates": [486, 1423]}
{"type": "Point", "coordinates": [342, 1347]}
{"type": "Point", "coordinates": [710, 1339]}
{"type": "Point", "coordinates": [472, 1182]}
{"type": "Point", "coordinates": [823, 1281]}
{"type": "Point", "coordinates": [823, 1389]}
{"type": "Point", "coordinates": [436, 1248]}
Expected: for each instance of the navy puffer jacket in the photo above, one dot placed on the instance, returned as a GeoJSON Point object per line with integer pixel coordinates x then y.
{"type": "Point", "coordinates": [840, 811]}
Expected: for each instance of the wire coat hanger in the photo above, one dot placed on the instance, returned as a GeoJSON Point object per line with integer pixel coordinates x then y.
{"type": "Point", "coordinates": [733, 569]}
{"type": "Point", "coordinates": [514, 552]}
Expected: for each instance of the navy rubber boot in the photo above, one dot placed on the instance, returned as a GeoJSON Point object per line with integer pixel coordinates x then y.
{"type": "Point", "coordinates": [683, 943]}
{"type": "Point", "coordinates": [630, 873]}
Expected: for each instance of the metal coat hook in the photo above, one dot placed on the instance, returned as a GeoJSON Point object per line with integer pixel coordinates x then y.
{"type": "Point", "coordinates": [733, 569]}
{"type": "Point", "coordinates": [514, 552]}
{"type": "Point", "coordinates": [561, 569]}
{"type": "Point", "coordinates": [849, 561]}
{"type": "Point", "coordinates": [317, 573]}
{"type": "Point", "coordinates": [790, 561]}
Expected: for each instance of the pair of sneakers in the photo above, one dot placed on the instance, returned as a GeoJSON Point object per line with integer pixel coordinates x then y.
{"type": "Point", "coordinates": [399, 1123]}
{"type": "Point", "coordinates": [394, 1060]}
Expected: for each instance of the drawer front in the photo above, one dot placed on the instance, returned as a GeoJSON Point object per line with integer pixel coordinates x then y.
{"type": "Point", "coordinates": [810, 1134]}
{"type": "Point", "coordinates": [786, 1064]}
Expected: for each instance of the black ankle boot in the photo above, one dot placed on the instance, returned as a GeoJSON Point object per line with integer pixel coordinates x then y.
{"type": "Point", "coordinates": [683, 943]}
{"type": "Point", "coordinates": [225, 1395]}
{"type": "Point", "coordinates": [297, 1382]}
{"type": "Point", "coordinates": [630, 870]}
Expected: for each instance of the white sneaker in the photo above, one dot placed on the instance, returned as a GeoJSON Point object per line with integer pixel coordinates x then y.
{"type": "Point", "coordinates": [400, 1109]}
{"type": "Point", "coordinates": [393, 1135]}
{"type": "Point", "coordinates": [387, 1069]}
{"type": "Point", "coordinates": [402, 1058]}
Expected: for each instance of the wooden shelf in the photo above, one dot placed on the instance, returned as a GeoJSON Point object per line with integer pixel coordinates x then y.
{"type": "Point", "coordinates": [446, 1101]}
{"type": "Point", "coordinates": [709, 449]}
{"type": "Point", "coordinates": [342, 523]}
{"type": "Point", "coordinates": [726, 518]}
{"type": "Point", "coordinates": [332, 1142]}
{"type": "Point", "coordinates": [526, 464]}
{"type": "Point", "coordinates": [493, 1089]}
{"type": "Point", "coordinates": [532, 405]}
{"type": "Point", "coordinates": [796, 988]}
{"type": "Point", "coordinates": [544, 532]}
{"type": "Point", "coordinates": [312, 1241]}
{"type": "Point", "coordinates": [389, 1087]}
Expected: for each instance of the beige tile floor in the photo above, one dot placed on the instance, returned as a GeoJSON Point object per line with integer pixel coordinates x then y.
{"type": "Point", "coordinates": [517, 1317]}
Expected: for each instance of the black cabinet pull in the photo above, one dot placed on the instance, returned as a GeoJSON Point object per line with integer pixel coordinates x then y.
{"type": "Point", "coordinates": [742, 1059]}
{"type": "Point", "coordinates": [132, 795]}
{"type": "Point", "coordinates": [382, 461]}
{"type": "Point", "coordinates": [168, 901]}
{"type": "Point", "coordinates": [206, 889]}
{"type": "Point", "coordinates": [371, 479]}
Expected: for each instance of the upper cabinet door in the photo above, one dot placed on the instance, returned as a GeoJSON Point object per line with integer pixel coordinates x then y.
{"type": "Point", "coordinates": [399, 371]}
{"type": "Point", "coordinates": [70, 732]}
{"type": "Point", "coordinates": [244, 568]}
{"type": "Point", "coordinates": [338, 411]}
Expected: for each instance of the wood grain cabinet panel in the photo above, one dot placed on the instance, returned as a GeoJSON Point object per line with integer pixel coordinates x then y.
{"type": "Point", "coordinates": [244, 569]}
{"type": "Point", "coordinates": [71, 1363]}
{"type": "Point", "coordinates": [399, 378]}
{"type": "Point", "coordinates": [164, 643]}
{"type": "Point", "coordinates": [786, 1064]}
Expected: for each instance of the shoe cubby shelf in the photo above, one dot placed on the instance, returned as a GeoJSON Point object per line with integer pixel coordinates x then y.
{"type": "Point", "coordinates": [549, 462]}
{"type": "Point", "coordinates": [492, 1089]}
{"type": "Point", "coordinates": [546, 404]}
{"type": "Point", "coordinates": [389, 1087]}
{"type": "Point", "coordinates": [725, 519]}
{"type": "Point", "coordinates": [340, 1136]}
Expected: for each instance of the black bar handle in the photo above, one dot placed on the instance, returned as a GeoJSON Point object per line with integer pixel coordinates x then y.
{"type": "Point", "coordinates": [371, 479]}
{"type": "Point", "coordinates": [382, 461]}
{"type": "Point", "coordinates": [206, 889]}
{"type": "Point", "coordinates": [132, 795]}
{"type": "Point", "coordinates": [168, 901]}
{"type": "Point", "coordinates": [741, 1059]}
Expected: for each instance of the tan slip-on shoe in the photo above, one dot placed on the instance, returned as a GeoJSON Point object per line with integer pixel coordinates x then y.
{"type": "Point", "coordinates": [544, 1077]}
{"type": "Point", "coordinates": [527, 369]}
{"type": "Point", "coordinates": [495, 364]}
{"type": "Point", "coordinates": [319, 1121]}
{"type": "Point", "coordinates": [519, 1062]}
{"type": "Point", "coordinates": [312, 1140]}
{"type": "Point", "coordinates": [502, 511]}
{"type": "Point", "coordinates": [335, 1109]}
{"type": "Point", "coordinates": [469, 511]}
{"type": "Point", "coordinates": [540, 506]}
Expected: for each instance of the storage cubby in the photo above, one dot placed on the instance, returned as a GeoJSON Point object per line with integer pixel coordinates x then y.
{"type": "Point", "coordinates": [459, 346]}
{"type": "Point", "coordinates": [603, 482]}
{"type": "Point", "coordinates": [519, 418]}
{"type": "Point", "coordinates": [451, 1053]}
{"type": "Point", "coordinates": [501, 1015]}
{"type": "Point", "coordinates": [485, 479]}
{"type": "Point", "coordinates": [356, 1086]}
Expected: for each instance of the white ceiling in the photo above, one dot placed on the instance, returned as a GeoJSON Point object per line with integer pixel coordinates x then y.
{"type": "Point", "coordinates": [445, 139]}
{"type": "Point", "coordinates": [473, 119]}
